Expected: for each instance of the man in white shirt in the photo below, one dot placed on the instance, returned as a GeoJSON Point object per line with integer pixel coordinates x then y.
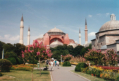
{"type": "Point", "coordinates": [58, 64]}
{"type": "Point", "coordinates": [51, 63]}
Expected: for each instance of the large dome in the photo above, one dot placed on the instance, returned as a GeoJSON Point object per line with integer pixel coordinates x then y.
{"type": "Point", "coordinates": [110, 25]}
{"type": "Point", "coordinates": [55, 30]}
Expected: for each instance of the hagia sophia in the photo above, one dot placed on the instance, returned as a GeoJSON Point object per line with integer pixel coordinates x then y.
{"type": "Point", "coordinates": [54, 37]}
{"type": "Point", "coordinates": [106, 38]}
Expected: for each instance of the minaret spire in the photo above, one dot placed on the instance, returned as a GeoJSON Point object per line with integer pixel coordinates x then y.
{"type": "Point", "coordinates": [85, 21]}
{"type": "Point", "coordinates": [28, 40]}
{"type": "Point", "coordinates": [79, 37]}
{"type": "Point", "coordinates": [21, 30]}
{"type": "Point", "coordinates": [86, 32]}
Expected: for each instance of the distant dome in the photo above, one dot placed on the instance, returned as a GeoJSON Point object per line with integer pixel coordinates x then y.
{"type": "Point", "coordinates": [55, 30]}
{"type": "Point", "coordinates": [110, 25]}
{"type": "Point", "coordinates": [73, 44]}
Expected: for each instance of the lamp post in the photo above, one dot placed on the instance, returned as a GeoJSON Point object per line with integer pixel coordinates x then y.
{"type": "Point", "coordinates": [61, 59]}
{"type": "Point", "coordinates": [3, 54]}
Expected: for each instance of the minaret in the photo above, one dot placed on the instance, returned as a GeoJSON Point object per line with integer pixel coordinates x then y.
{"type": "Point", "coordinates": [21, 30]}
{"type": "Point", "coordinates": [28, 40]}
{"type": "Point", "coordinates": [86, 32]}
{"type": "Point", "coordinates": [79, 37]}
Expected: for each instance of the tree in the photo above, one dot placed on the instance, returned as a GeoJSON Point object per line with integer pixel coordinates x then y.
{"type": "Point", "coordinates": [36, 51]}
{"type": "Point", "coordinates": [110, 57]}
{"type": "Point", "coordinates": [95, 55]}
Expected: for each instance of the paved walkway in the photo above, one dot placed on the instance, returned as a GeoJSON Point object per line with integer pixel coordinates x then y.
{"type": "Point", "coordinates": [65, 74]}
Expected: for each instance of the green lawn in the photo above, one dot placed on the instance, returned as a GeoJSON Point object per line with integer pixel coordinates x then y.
{"type": "Point", "coordinates": [15, 75]}
{"type": "Point", "coordinates": [92, 78]}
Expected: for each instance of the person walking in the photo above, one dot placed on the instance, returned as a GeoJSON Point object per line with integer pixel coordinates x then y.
{"type": "Point", "coordinates": [55, 62]}
{"type": "Point", "coordinates": [58, 64]}
{"type": "Point", "coordinates": [51, 63]}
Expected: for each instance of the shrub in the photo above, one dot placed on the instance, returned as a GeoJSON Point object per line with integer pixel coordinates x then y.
{"type": "Point", "coordinates": [117, 78]}
{"type": "Point", "coordinates": [12, 60]}
{"type": "Point", "coordinates": [5, 65]}
{"type": "Point", "coordinates": [79, 66]}
{"type": "Point", "coordinates": [66, 63]}
{"type": "Point", "coordinates": [20, 60]}
{"type": "Point", "coordinates": [0, 74]}
{"type": "Point", "coordinates": [22, 67]}
{"type": "Point", "coordinates": [35, 62]}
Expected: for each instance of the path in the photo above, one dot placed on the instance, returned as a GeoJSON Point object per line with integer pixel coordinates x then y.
{"type": "Point", "coordinates": [65, 74]}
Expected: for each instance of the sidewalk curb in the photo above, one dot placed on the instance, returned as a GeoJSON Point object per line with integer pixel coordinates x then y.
{"type": "Point", "coordinates": [51, 76]}
{"type": "Point", "coordinates": [80, 76]}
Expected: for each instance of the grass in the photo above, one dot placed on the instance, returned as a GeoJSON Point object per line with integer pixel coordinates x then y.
{"type": "Point", "coordinates": [15, 75]}
{"type": "Point", "coordinates": [91, 78]}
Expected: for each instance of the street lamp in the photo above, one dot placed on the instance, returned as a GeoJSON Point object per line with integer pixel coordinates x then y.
{"type": "Point", "coordinates": [61, 58]}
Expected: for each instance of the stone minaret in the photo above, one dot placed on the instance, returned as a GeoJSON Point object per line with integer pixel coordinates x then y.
{"type": "Point", "coordinates": [21, 30]}
{"type": "Point", "coordinates": [86, 32]}
{"type": "Point", "coordinates": [28, 40]}
{"type": "Point", "coordinates": [79, 37]}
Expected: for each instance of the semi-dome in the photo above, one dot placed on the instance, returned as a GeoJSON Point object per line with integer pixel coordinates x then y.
{"type": "Point", "coordinates": [55, 30]}
{"type": "Point", "coordinates": [110, 25]}
{"type": "Point", "coordinates": [55, 43]}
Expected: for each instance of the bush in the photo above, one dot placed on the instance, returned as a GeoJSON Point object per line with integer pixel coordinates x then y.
{"type": "Point", "coordinates": [21, 67]}
{"type": "Point", "coordinates": [117, 77]}
{"type": "Point", "coordinates": [0, 74]}
{"type": "Point", "coordinates": [5, 65]}
{"type": "Point", "coordinates": [12, 60]}
{"type": "Point", "coordinates": [20, 60]}
{"type": "Point", "coordinates": [79, 66]}
{"type": "Point", "coordinates": [66, 63]}
{"type": "Point", "coordinates": [35, 62]}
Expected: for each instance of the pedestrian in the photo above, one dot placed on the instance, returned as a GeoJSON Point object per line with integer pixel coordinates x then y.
{"type": "Point", "coordinates": [47, 62]}
{"type": "Point", "coordinates": [58, 64]}
{"type": "Point", "coordinates": [55, 62]}
{"type": "Point", "coordinates": [51, 63]}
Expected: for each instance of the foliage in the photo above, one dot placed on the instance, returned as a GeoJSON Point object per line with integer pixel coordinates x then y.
{"type": "Point", "coordinates": [12, 50]}
{"type": "Point", "coordinates": [110, 57]}
{"type": "Point", "coordinates": [67, 57]}
{"type": "Point", "coordinates": [95, 56]}
{"type": "Point", "coordinates": [79, 66]}
{"type": "Point", "coordinates": [22, 67]}
{"type": "Point", "coordinates": [5, 65]}
{"type": "Point", "coordinates": [66, 63]}
{"type": "Point", "coordinates": [117, 77]}
{"type": "Point", "coordinates": [77, 59]}
{"type": "Point", "coordinates": [12, 60]}
{"type": "Point", "coordinates": [0, 74]}
{"type": "Point", "coordinates": [65, 49]}
{"type": "Point", "coordinates": [36, 52]}
{"type": "Point", "coordinates": [1, 48]}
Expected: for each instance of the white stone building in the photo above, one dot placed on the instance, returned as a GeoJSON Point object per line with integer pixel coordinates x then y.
{"type": "Point", "coordinates": [108, 35]}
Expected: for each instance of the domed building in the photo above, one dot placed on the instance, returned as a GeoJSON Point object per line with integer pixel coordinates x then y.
{"type": "Point", "coordinates": [55, 37]}
{"type": "Point", "coordinates": [108, 35]}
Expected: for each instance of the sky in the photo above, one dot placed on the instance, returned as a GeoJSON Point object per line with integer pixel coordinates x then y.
{"type": "Point", "coordinates": [43, 15]}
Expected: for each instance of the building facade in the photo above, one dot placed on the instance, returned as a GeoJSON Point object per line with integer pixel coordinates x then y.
{"type": "Point", "coordinates": [108, 35]}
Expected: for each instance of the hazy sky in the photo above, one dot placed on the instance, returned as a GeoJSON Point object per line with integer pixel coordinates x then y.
{"type": "Point", "coordinates": [43, 15]}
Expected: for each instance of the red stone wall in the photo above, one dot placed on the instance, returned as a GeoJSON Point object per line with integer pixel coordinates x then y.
{"type": "Point", "coordinates": [46, 39]}
{"type": "Point", "coordinates": [66, 39]}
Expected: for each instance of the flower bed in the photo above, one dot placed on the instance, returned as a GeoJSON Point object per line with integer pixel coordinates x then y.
{"type": "Point", "coordinates": [109, 67]}
{"type": "Point", "coordinates": [27, 67]}
{"type": "Point", "coordinates": [100, 72]}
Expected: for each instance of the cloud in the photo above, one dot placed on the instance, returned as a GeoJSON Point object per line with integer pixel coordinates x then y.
{"type": "Point", "coordinates": [99, 14]}
{"type": "Point", "coordinates": [107, 14]}
{"type": "Point", "coordinates": [9, 38]}
{"type": "Point", "coordinates": [92, 34]}
{"type": "Point", "coordinates": [90, 16]}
